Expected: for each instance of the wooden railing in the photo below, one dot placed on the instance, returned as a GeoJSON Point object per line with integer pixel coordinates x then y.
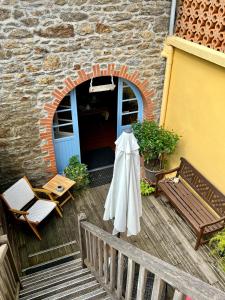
{"type": "Point", "coordinates": [9, 276]}
{"type": "Point", "coordinates": [122, 269]}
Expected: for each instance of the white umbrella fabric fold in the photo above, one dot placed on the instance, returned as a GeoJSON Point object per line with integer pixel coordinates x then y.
{"type": "Point", "coordinates": [123, 202]}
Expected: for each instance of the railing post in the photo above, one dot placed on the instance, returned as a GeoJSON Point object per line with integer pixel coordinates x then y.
{"type": "Point", "coordinates": [178, 295]}
{"type": "Point", "coordinates": [83, 250]}
{"type": "Point", "coordinates": [158, 287]}
{"type": "Point", "coordinates": [4, 240]}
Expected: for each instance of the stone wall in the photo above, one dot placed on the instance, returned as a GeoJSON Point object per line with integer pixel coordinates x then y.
{"type": "Point", "coordinates": [44, 42]}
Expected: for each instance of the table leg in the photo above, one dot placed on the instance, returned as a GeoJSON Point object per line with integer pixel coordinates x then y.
{"type": "Point", "coordinates": [58, 208]}
{"type": "Point", "coordinates": [71, 195]}
{"type": "Point", "coordinates": [67, 198]}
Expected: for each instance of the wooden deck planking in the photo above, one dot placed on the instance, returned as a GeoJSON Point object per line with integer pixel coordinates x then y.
{"type": "Point", "coordinates": [163, 234]}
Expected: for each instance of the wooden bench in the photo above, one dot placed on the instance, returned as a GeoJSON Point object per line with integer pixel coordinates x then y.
{"type": "Point", "coordinates": [200, 203]}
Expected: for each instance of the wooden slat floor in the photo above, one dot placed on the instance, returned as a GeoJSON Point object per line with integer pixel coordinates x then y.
{"type": "Point", "coordinates": [163, 234]}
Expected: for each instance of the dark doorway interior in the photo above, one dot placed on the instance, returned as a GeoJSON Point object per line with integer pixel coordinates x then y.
{"type": "Point", "coordinates": [97, 116]}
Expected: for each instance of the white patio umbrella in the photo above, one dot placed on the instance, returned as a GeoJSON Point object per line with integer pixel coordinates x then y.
{"type": "Point", "coordinates": [123, 202]}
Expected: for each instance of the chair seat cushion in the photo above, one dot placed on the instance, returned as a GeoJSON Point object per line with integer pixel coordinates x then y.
{"type": "Point", "coordinates": [39, 210]}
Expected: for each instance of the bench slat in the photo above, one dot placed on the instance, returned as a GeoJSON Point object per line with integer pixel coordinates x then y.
{"type": "Point", "coordinates": [178, 204]}
{"type": "Point", "coordinates": [198, 204]}
{"type": "Point", "coordinates": [183, 203]}
{"type": "Point", "coordinates": [203, 215]}
{"type": "Point", "coordinates": [199, 208]}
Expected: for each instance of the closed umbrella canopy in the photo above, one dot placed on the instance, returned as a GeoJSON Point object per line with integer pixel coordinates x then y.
{"type": "Point", "coordinates": [123, 202]}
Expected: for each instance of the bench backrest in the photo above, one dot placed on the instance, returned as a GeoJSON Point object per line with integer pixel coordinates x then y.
{"type": "Point", "coordinates": [202, 186]}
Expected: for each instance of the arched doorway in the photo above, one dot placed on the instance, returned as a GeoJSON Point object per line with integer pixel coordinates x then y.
{"type": "Point", "coordinates": [97, 119]}
{"type": "Point", "coordinates": [87, 124]}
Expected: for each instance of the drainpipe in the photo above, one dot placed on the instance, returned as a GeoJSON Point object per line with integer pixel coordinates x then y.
{"type": "Point", "coordinates": [172, 16]}
{"type": "Point", "coordinates": [168, 54]}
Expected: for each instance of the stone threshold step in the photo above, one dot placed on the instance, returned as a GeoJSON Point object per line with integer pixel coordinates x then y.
{"type": "Point", "coordinates": [51, 249]}
{"type": "Point", "coordinates": [51, 263]}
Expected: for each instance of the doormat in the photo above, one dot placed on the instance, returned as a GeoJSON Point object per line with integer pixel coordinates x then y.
{"type": "Point", "coordinates": [98, 158]}
{"type": "Point", "coordinates": [100, 176]}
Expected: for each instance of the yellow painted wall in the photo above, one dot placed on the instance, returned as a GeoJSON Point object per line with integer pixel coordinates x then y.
{"type": "Point", "coordinates": [196, 110]}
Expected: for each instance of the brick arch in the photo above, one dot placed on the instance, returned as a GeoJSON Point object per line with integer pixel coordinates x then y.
{"type": "Point", "coordinates": [59, 94]}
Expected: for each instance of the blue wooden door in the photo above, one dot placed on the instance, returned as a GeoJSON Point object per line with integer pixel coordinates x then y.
{"type": "Point", "coordinates": [66, 131]}
{"type": "Point", "coordinates": [129, 105]}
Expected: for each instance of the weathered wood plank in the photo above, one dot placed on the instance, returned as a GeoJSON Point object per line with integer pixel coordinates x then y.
{"type": "Point", "coordinates": [6, 283]}
{"type": "Point", "coordinates": [3, 292]}
{"type": "Point", "coordinates": [178, 295]}
{"type": "Point", "coordinates": [94, 251]}
{"type": "Point", "coordinates": [141, 283]}
{"type": "Point", "coordinates": [87, 245]}
{"type": "Point", "coordinates": [120, 275]}
{"type": "Point", "coordinates": [5, 269]}
{"type": "Point", "coordinates": [81, 217]}
{"type": "Point", "coordinates": [157, 290]}
{"type": "Point", "coordinates": [112, 268]}
{"type": "Point", "coordinates": [90, 247]}
{"type": "Point", "coordinates": [130, 279]}
{"type": "Point", "coordinates": [100, 258]}
{"type": "Point", "coordinates": [106, 263]}
{"type": "Point", "coordinates": [10, 274]}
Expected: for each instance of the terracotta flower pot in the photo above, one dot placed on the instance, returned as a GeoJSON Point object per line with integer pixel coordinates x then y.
{"type": "Point", "coordinates": [151, 168]}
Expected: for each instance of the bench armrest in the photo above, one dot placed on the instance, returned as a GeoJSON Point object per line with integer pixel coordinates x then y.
{"type": "Point", "coordinates": [19, 212]}
{"type": "Point", "coordinates": [212, 223]}
{"type": "Point", "coordinates": [161, 174]}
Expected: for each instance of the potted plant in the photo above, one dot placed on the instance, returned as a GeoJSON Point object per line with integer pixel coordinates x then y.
{"type": "Point", "coordinates": [155, 143]}
{"type": "Point", "coordinates": [77, 172]}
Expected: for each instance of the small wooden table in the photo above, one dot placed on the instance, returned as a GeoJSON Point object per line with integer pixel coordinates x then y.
{"type": "Point", "coordinates": [65, 182]}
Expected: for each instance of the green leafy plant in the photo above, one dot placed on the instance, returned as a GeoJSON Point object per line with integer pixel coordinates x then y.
{"type": "Point", "coordinates": [77, 172]}
{"type": "Point", "coordinates": [146, 188]}
{"type": "Point", "coordinates": [154, 141]}
{"type": "Point", "coordinates": [217, 245]}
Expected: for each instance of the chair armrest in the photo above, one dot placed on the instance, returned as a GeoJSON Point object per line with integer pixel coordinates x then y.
{"type": "Point", "coordinates": [39, 190]}
{"type": "Point", "coordinates": [48, 193]}
{"type": "Point", "coordinates": [161, 174]}
{"type": "Point", "coordinates": [51, 200]}
{"type": "Point", "coordinates": [19, 212]}
{"type": "Point", "coordinates": [212, 223]}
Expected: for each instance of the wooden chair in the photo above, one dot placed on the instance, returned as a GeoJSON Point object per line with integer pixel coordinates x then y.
{"type": "Point", "coordinates": [19, 196]}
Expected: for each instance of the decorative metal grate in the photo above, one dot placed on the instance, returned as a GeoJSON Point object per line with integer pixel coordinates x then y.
{"type": "Point", "coordinates": [203, 22]}
{"type": "Point", "coordinates": [101, 176]}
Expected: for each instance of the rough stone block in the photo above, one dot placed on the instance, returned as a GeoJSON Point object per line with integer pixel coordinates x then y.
{"type": "Point", "coordinates": [58, 31]}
